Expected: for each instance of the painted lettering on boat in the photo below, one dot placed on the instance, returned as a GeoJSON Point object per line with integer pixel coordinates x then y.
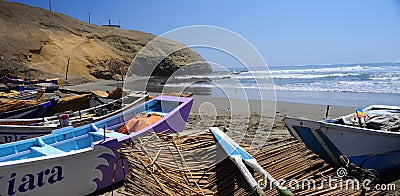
{"type": "Point", "coordinates": [29, 182]}
{"type": "Point", "coordinates": [13, 138]}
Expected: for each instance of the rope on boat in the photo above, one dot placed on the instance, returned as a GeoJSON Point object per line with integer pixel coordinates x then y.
{"type": "Point", "coordinates": [359, 172]}
{"type": "Point", "coordinates": [121, 157]}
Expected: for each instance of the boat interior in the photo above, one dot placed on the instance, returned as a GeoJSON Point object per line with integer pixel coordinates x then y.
{"type": "Point", "coordinates": [377, 117]}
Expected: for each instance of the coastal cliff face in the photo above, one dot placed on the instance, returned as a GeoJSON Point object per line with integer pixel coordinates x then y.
{"type": "Point", "coordinates": [45, 41]}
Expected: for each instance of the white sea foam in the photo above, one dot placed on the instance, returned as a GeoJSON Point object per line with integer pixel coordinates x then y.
{"type": "Point", "coordinates": [375, 78]}
{"type": "Point", "coordinates": [328, 70]}
{"type": "Point", "coordinates": [311, 76]}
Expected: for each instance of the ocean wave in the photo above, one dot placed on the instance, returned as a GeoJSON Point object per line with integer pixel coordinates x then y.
{"type": "Point", "coordinates": [325, 89]}
{"type": "Point", "coordinates": [331, 69]}
{"type": "Point", "coordinates": [311, 76]}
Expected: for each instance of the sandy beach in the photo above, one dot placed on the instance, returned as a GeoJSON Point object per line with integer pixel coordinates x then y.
{"type": "Point", "coordinates": [246, 126]}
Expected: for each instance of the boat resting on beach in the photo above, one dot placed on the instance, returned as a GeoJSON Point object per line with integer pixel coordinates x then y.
{"type": "Point", "coordinates": [39, 110]}
{"type": "Point", "coordinates": [12, 130]}
{"type": "Point", "coordinates": [370, 143]}
{"type": "Point", "coordinates": [79, 161]}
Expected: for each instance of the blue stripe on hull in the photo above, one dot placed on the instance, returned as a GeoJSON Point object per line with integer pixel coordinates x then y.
{"type": "Point", "coordinates": [386, 164]}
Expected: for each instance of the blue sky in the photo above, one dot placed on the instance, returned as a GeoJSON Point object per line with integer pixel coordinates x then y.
{"type": "Point", "coordinates": [286, 32]}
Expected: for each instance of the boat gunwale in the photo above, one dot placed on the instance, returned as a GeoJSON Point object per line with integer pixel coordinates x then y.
{"type": "Point", "coordinates": [341, 126]}
{"type": "Point", "coordinates": [358, 129]}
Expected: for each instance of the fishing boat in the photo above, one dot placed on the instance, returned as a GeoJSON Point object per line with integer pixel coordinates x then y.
{"type": "Point", "coordinates": [36, 111]}
{"type": "Point", "coordinates": [12, 130]}
{"type": "Point", "coordinates": [9, 80]}
{"type": "Point", "coordinates": [48, 85]}
{"type": "Point", "coordinates": [367, 142]}
{"type": "Point", "coordinates": [82, 160]}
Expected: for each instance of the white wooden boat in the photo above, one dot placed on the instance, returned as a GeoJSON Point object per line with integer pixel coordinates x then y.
{"type": "Point", "coordinates": [364, 146]}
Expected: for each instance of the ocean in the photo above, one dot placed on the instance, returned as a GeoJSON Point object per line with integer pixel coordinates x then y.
{"type": "Point", "coordinates": [355, 85]}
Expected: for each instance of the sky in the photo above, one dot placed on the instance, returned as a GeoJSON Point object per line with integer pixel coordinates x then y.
{"type": "Point", "coordinates": [285, 32]}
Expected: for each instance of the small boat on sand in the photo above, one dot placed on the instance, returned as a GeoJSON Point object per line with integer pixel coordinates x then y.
{"type": "Point", "coordinates": [370, 138]}
{"type": "Point", "coordinates": [39, 110]}
{"type": "Point", "coordinates": [82, 160]}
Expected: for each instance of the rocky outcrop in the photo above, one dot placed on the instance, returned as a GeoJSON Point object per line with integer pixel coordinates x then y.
{"type": "Point", "coordinates": [46, 41]}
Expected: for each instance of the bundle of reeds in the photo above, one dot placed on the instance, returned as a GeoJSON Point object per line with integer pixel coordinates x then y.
{"type": "Point", "coordinates": [8, 104]}
{"type": "Point", "coordinates": [189, 165]}
{"type": "Point", "coordinates": [73, 103]}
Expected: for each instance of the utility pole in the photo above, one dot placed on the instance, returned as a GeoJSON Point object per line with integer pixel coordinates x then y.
{"type": "Point", "coordinates": [50, 5]}
{"type": "Point", "coordinates": [66, 73]}
{"type": "Point", "coordinates": [89, 17]}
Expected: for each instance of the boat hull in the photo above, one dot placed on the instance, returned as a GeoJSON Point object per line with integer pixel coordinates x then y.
{"type": "Point", "coordinates": [373, 149]}
{"type": "Point", "coordinates": [73, 174]}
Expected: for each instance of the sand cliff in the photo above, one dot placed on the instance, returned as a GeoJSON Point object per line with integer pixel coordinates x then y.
{"type": "Point", "coordinates": [43, 41]}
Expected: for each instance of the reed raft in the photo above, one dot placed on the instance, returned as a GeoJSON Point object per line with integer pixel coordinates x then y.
{"type": "Point", "coordinates": [194, 165]}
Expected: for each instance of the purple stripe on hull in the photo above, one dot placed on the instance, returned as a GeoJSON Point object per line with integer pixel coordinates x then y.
{"type": "Point", "coordinates": [177, 119]}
